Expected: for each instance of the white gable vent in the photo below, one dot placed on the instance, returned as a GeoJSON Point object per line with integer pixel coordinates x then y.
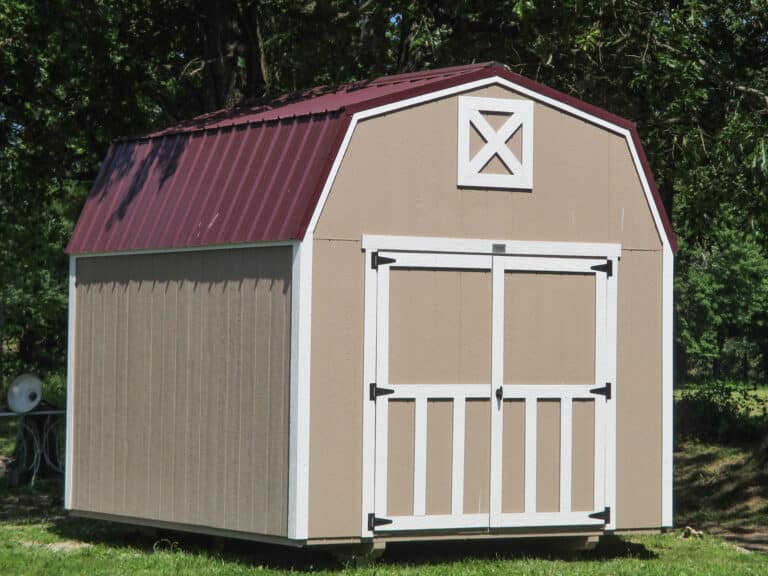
{"type": "Point", "coordinates": [495, 143]}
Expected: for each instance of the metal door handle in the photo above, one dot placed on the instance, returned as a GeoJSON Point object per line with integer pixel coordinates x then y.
{"type": "Point", "coordinates": [500, 393]}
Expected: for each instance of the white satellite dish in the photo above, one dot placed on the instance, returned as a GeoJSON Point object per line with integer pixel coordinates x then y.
{"type": "Point", "coordinates": [25, 393]}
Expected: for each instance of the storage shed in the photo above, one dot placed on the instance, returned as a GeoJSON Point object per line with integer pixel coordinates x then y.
{"type": "Point", "coordinates": [431, 305]}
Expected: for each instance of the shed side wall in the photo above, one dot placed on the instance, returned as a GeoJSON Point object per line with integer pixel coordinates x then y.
{"type": "Point", "coordinates": [398, 177]}
{"type": "Point", "coordinates": [181, 388]}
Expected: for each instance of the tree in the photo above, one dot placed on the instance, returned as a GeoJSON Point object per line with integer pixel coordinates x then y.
{"type": "Point", "coordinates": [692, 74]}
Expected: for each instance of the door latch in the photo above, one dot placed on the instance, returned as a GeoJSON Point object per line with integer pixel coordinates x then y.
{"type": "Point", "coordinates": [500, 393]}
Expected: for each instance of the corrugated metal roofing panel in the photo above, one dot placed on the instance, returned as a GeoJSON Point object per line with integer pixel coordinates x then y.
{"type": "Point", "coordinates": [225, 186]}
{"type": "Point", "coordinates": [254, 174]}
{"type": "Point", "coordinates": [322, 100]}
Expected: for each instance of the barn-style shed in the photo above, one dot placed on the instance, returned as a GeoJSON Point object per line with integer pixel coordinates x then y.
{"type": "Point", "coordinates": [428, 305]}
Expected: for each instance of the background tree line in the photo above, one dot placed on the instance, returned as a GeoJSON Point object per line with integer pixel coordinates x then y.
{"type": "Point", "coordinates": [692, 74]}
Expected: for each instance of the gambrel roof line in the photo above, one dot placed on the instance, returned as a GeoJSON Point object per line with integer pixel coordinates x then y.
{"type": "Point", "coordinates": [256, 174]}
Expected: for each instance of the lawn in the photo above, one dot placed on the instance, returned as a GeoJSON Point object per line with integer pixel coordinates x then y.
{"type": "Point", "coordinates": [719, 489]}
{"type": "Point", "coordinates": [722, 490]}
{"type": "Point", "coordinates": [57, 545]}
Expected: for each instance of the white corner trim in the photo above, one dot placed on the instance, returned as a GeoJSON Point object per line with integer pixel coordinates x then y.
{"type": "Point", "coordinates": [519, 117]}
{"type": "Point", "coordinates": [667, 400]}
{"type": "Point", "coordinates": [301, 341]}
{"type": "Point", "coordinates": [70, 425]}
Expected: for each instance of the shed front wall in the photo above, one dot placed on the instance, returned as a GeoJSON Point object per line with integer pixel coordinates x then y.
{"type": "Point", "coordinates": [181, 383]}
{"type": "Point", "coordinates": [398, 177]}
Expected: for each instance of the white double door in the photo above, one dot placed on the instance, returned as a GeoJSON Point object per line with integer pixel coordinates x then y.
{"type": "Point", "coordinates": [494, 391]}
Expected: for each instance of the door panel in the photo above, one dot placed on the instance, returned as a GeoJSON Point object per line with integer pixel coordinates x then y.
{"type": "Point", "coordinates": [428, 345]}
{"type": "Point", "coordinates": [477, 457]}
{"type": "Point", "coordinates": [583, 438]}
{"type": "Point", "coordinates": [549, 338]}
{"type": "Point", "coordinates": [548, 456]}
{"type": "Point", "coordinates": [434, 368]}
{"type": "Point", "coordinates": [549, 328]}
{"type": "Point", "coordinates": [400, 457]}
{"type": "Point", "coordinates": [439, 456]}
{"type": "Point", "coordinates": [513, 454]}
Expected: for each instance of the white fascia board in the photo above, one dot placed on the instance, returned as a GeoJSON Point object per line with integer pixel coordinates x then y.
{"type": "Point", "coordinates": [70, 428]}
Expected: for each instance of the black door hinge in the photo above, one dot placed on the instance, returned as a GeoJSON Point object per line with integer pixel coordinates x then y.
{"type": "Point", "coordinates": [377, 260]}
{"type": "Point", "coordinates": [373, 522]}
{"type": "Point", "coordinates": [375, 391]}
{"type": "Point", "coordinates": [603, 390]}
{"type": "Point", "coordinates": [605, 515]}
{"type": "Point", "coordinates": [607, 268]}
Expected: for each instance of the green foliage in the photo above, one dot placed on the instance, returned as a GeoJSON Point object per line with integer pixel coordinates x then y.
{"type": "Point", "coordinates": [721, 411]}
{"type": "Point", "coordinates": [692, 74]}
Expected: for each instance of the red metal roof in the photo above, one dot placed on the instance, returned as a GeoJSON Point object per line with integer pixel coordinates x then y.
{"type": "Point", "coordinates": [254, 174]}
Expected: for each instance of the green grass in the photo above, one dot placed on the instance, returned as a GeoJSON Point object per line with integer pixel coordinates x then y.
{"type": "Point", "coordinates": [716, 486]}
{"type": "Point", "coordinates": [723, 487]}
{"type": "Point", "coordinates": [26, 550]}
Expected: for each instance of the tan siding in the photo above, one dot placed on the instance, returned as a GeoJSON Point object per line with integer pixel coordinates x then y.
{"type": "Point", "coordinates": [638, 411]}
{"type": "Point", "coordinates": [336, 441]}
{"type": "Point", "coordinates": [181, 388]}
{"type": "Point", "coordinates": [585, 187]}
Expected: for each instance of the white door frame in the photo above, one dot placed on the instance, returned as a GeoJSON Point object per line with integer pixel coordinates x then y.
{"type": "Point", "coordinates": [454, 253]}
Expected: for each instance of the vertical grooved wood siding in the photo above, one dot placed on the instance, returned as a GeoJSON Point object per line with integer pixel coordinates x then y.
{"type": "Point", "coordinates": [181, 387]}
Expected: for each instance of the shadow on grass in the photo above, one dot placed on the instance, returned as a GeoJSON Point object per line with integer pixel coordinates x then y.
{"type": "Point", "coordinates": [43, 505]}
{"type": "Point", "coordinates": [720, 486]}
{"type": "Point", "coordinates": [418, 553]}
